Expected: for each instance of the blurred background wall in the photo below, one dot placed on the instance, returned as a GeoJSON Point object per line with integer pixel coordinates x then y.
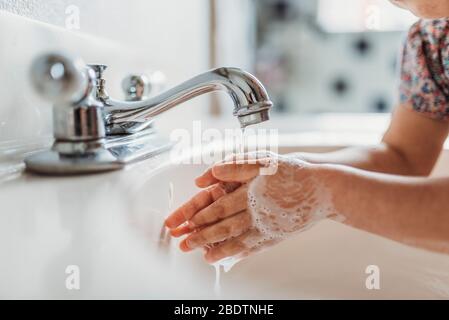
{"type": "Point", "coordinates": [330, 55]}
{"type": "Point", "coordinates": [316, 56]}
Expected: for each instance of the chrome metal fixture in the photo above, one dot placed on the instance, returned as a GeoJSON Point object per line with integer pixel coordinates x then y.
{"type": "Point", "coordinates": [94, 132]}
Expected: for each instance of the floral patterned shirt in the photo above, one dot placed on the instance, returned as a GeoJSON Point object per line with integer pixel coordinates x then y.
{"type": "Point", "coordinates": [425, 69]}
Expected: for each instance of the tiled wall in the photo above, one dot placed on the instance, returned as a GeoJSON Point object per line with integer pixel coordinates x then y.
{"type": "Point", "coordinates": [310, 69]}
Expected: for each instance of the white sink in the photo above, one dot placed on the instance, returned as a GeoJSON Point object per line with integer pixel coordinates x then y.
{"type": "Point", "coordinates": [109, 225]}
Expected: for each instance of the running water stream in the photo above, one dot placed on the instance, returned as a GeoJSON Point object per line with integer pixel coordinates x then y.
{"type": "Point", "coordinates": [228, 263]}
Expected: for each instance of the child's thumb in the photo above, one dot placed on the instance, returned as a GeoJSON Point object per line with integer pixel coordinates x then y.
{"type": "Point", "coordinates": [238, 171]}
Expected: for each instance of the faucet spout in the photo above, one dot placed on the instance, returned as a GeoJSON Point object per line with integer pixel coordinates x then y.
{"type": "Point", "coordinates": [250, 99]}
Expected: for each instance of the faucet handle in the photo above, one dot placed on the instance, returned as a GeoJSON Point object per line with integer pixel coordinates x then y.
{"type": "Point", "coordinates": [60, 78]}
{"type": "Point", "coordinates": [140, 86]}
{"type": "Point", "coordinates": [100, 81]}
{"type": "Point", "coordinates": [136, 87]}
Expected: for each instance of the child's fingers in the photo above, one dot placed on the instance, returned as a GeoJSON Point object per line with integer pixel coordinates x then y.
{"type": "Point", "coordinates": [188, 209]}
{"type": "Point", "coordinates": [225, 229]}
{"type": "Point", "coordinates": [197, 203]}
{"type": "Point", "coordinates": [200, 201]}
{"type": "Point", "coordinates": [210, 177]}
{"type": "Point", "coordinates": [229, 248]}
{"type": "Point", "coordinates": [226, 187]}
{"type": "Point", "coordinates": [239, 170]}
{"type": "Point", "coordinates": [206, 179]}
{"type": "Point", "coordinates": [184, 247]}
{"type": "Point", "coordinates": [224, 207]}
{"type": "Point", "coordinates": [180, 231]}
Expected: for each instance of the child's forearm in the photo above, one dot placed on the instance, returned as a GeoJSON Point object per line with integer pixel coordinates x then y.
{"type": "Point", "coordinates": [411, 146]}
{"type": "Point", "coordinates": [413, 211]}
{"type": "Point", "coordinates": [381, 158]}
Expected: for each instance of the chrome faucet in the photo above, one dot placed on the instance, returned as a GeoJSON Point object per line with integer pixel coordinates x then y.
{"type": "Point", "coordinates": [94, 132]}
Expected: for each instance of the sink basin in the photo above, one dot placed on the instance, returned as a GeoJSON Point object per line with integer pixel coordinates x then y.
{"type": "Point", "coordinates": [109, 225]}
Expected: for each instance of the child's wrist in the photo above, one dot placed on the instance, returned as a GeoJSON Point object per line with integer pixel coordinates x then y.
{"type": "Point", "coordinates": [334, 181]}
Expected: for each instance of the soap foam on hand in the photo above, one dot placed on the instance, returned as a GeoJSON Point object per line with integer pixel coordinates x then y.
{"type": "Point", "coordinates": [285, 204]}
{"type": "Point", "coordinates": [281, 205]}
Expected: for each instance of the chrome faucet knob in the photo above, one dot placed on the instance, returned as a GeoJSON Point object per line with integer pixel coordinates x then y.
{"type": "Point", "coordinates": [59, 78]}
{"type": "Point", "coordinates": [70, 85]}
{"type": "Point", "coordinates": [136, 87]}
{"type": "Point", "coordinates": [100, 82]}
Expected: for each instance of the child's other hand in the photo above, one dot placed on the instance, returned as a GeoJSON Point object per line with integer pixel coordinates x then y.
{"type": "Point", "coordinates": [249, 203]}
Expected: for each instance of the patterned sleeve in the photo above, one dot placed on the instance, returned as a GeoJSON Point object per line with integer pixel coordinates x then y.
{"type": "Point", "coordinates": [424, 85]}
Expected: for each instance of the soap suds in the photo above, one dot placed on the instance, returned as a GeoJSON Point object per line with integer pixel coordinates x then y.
{"type": "Point", "coordinates": [281, 205]}
{"type": "Point", "coordinates": [285, 204]}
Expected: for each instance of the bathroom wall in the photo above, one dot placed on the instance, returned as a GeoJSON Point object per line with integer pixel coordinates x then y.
{"type": "Point", "coordinates": [128, 36]}
{"type": "Point", "coordinates": [236, 40]}
{"type": "Point", "coordinates": [314, 59]}
{"type": "Point", "coordinates": [159, 29]}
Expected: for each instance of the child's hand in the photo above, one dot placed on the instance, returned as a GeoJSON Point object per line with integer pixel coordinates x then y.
{"type": "Point", "coordinates": [241, 211]}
